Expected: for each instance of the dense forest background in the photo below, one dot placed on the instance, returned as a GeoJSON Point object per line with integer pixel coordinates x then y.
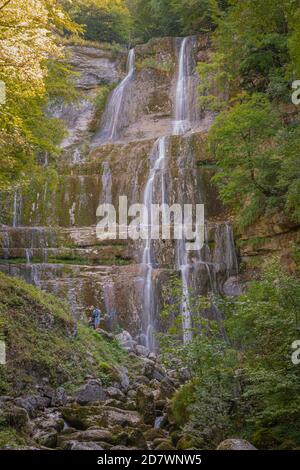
{"type": "Point", "coordinates": [247, 383]}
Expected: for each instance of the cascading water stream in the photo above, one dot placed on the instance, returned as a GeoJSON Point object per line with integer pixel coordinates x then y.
{"type": "Point", "coordinates": [182, 113]}
{"type": "Point", "coordinates": [106, 184]}
{"type": "Point", "coordinates": [158, 165]}
{"type": "Point", "coordinates": [181, 126]}
{"type": "Point", "coordinates": [15, 210]}
{"type": "Point", "coordinates": [110, 130]}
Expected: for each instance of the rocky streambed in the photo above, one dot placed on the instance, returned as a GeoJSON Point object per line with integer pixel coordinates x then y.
{"type": "Point", "coordinates": [124, 414]}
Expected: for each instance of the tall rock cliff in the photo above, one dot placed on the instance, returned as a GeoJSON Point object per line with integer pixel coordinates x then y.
{"type": "Point", "coordinates": [49, 234]}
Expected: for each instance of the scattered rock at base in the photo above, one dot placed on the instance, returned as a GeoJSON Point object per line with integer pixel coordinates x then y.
{"type": "Point", "coordinates": [126, 341]}
{"type": "Point", "coordinates": [74, 445]}
{"type": "Point", "coordinates": [235, 444]}
{"type": "Point", "coordinates": [93, 391]}
{"type": "Point", "coordinates": [145, 404]}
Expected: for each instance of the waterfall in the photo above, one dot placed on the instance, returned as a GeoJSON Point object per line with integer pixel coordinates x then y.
{"type": "Point", "coordinates": [106, 184]}
{"type": "Point", "coordinates": [15, 210]}
{"type": "Point", "coordinates": [5, 245]}
{"type": "Point", "coordinates": [158, 157]}
{"type": "Point", "coordinates": [182, 112]}
{"type": "Point", "coordinates": [181, 126]}
{"type": "Point", "coordinates": [225, 249]}
{"type": "Point", "coordinates": [231, 258]}
{"type": "Point", "coordinates": [28, 255]}
{"type": "Point", "coordinates": [112, 118]}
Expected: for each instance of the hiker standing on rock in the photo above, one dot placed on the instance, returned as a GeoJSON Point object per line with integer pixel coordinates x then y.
{"type": "Point", "coordinates": [95, 317]}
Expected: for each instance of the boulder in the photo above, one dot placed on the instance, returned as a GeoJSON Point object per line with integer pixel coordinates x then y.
{"type": "Point", "coordinates": [75, 445]}
{"type": "Point", "coordinates": [163, 444]}
{"type": "Point", "coordinates": [153, 433]}
{"type": "Point", "coordinates": [80, 417]}
{"type": "Point", "coordinates": [126, 341]}
{"type": "Point", "coordinates": [90, 435]}
{"type": "Point", "coordinates": [232, 287]}
{"type": "Point", "coordinates": [121, 448]}
{"type": "Point", "coordinates": [137, 439]}
{"type": "Point", "coordinates": [235, 444]}
{"type": "Point", "coordinates": [49, 420]}
{"type": "Point", "coordinates": [115, 393]}
{"type": "Point", "coordinates": [145, 404]}
{"type": "Point", "coordinates": [57, 397]}
{"type": "Point", "coordinates": [184, 443]}
{"type": "Point", "coordinates": [33, 404]}
{"type": "Point", "coordinates": [15, 416]}
{"type": "Point", "coordinates": [93, 391]}
{"type": "Point", "coordinates": [131, 394]}
{"type": "Point", "coordinates": [46, 438]}
{"type": "Point", "coordinates": [142, 350]}
{"type": "Point", "coordinates": [117, 417]}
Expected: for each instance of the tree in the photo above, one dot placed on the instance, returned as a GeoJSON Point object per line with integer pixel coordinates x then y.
{"type": "Point", "coordinates": [242, 139]}
{"type": "Point", "coordinates": [245, 383]}
{"type": "Point", "coordinates": [28, 40]}
{"type": "Point", "coordinates": [103, 20]}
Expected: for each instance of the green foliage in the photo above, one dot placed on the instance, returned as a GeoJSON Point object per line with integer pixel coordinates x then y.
{"type": "Point", "coordinates": [9, 437]}
{"type": "Point", "coordinates": [258, 160]}
{"type": "Point", "coordinates": [248, 79]}
{"type": "Point", "coordinates": [103, 20]}
{"type": "Point", "coordinates": [152, 63]}
{"type": "Point", "coordinates": [38, 332]}
{"type": "Point", "coordinates": [100, 103]}
{"type": "Point", "coordinates": [246, 382]}
{"type": "Point", "coordinates": [27, 131]}
{"type": "Point", "coordinates": [172, 17]}
{"type": "Point", "coordinates": [27, 36]}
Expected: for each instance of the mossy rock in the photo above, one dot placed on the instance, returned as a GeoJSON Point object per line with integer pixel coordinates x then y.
{"type": "Point", "coordinates": [79, 417]}
{"type": "Point", "coordinates": [16, 417]}
{"type": "Point", "coordinates": [137, 439]}
{"type": "Point", "coordinates": [152, 434]}
{"type": "Point", "coordinates": [184, 443]}
{"type": "Point", "coordinates": [164, 444]}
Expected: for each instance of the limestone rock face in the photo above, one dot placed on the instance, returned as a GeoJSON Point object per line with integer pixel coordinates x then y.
{"type": "Point", "coordinates": [94, 65]}
{"type": "Point", "coordinates": [235, 444]}
{"type": "Point", "coordinates": [53, 226]}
